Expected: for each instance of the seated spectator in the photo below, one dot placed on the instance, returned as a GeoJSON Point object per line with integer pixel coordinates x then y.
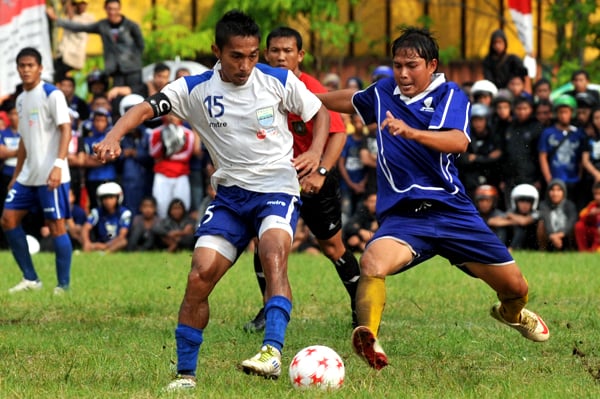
{"type": "Point", "coordinates": [523, 216]}
{"type": "Point", "coordinates": [176, 230]}
{"type": "Point", "coordinates": [107, 226]}
{"type": "Point", "coordinates": [304, 240]}
{"type": "Point", "coordinates": [587, 227]}
{"type": "Point", "coordinates": [141, 236]}
{"type": "Point", "coordinates": [362, 226]}
{"type": "Point", "coordinates": [557, 219]}
{"type": "Point", "coordinates": [486, 201]}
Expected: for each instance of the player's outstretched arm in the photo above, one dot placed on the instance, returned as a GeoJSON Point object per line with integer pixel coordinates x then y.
{"type": "Point", "coordinates": [338, 100]}
{"type": "Point", "coordinates": [110, 148]}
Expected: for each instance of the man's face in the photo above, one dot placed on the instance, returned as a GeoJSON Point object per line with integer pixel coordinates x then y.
{"type": "Point", "coordinates": [580, 82]}
{"type": "Point", "coordinates": [503, 110]}
{"type": "Point", "coordinates": [66, 86]}
{"type": "Point", "coordinates": [564, 115]}
{"type": "Point", "coordinates": [283, 52]}
{"type": "Point", "coordinates": [161, 79]}
{"type": "Point", "coordinates": [543, 114]}
{"type": "Point", "coordinates": [411, 72]}
{"type": "Point", "coordinates": [238, 58]}
{"type": "Point", "coordinates": [542, 91]}
{"type": "Point", "coordinates": [30, 71]}
{"type": "Point", "coordinates": [113, 12]}
{"type": "Point", "coordinates": [556, 194]}
{"type": "Point", "coordinates": [523, 111]}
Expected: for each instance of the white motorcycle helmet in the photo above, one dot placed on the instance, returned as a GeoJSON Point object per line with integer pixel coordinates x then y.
{"type": "Point", "coordinates": [524, 191]}
{"type": "Point", "coordinates": [128, 102]}
{"type": "Point", "coordinates": [110, 188]}
{"type": "Point", "coordinates": [485, 86]}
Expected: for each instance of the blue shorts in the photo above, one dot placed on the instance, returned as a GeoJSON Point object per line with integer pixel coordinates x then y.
{"type": "Point", "coordinates": [54, 203]}
{"type": "Point", "coordinates": [458, 235]}
{"type": "Point", "coordinates": [236, 214]}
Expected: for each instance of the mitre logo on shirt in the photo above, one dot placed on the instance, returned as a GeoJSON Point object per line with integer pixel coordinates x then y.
{"type": "Point", "coordinates": [427, 105]}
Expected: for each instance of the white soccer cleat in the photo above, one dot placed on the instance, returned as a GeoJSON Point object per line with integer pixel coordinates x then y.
{"type": "Point", "coordinates": [266, 363]}
{"type": "Point", "coordinates": [59, 291]}
{"type": "Point", "coordinates": [182, 383]}
{"type": "Point", "coordinates": [531, 325]}
{"type": "Point", "coordinates": [26, 285]}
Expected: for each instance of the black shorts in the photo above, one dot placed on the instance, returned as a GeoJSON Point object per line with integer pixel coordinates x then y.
{"type": "Point", "coordinates": [322, 212]}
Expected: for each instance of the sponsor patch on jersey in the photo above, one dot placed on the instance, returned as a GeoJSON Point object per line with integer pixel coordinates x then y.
{"type": "Point", "coordinates": [266, 116]}
{"type": "Point", "coordinates": [427, 105]}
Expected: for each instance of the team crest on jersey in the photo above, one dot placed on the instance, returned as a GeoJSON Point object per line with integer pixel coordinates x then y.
{"type": "Point", "coordinates": [299, 128]}
{"type": "Point", "coordinates": [266, 116]}
{"type": "Point", "coordinates": [427, 105]}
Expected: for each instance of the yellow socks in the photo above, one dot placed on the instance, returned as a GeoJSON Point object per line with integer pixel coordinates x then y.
{"type": "Point", "coordinates": [370, 301]}
{"type": "Point", "coordinates": [510, 308]}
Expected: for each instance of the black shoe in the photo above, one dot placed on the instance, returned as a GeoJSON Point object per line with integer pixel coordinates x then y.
{"type": "Point", "coordinates": [257, 324]}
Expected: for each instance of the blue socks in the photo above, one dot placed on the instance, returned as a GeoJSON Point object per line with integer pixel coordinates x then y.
{"type": "Point", "coordinates": [188, 345]}
{"type": "Point", "coordinates": [277, 314]}
{"type": "Point", "coordinates": [17, 242]}
{"type": "Point", "coordinates": [64, 252]}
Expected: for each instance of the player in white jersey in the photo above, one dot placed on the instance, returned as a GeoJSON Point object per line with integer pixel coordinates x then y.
{"type": "Point", "coordinates": [41, 178]}
{"type": "Point", "coordinates": [240, 111]}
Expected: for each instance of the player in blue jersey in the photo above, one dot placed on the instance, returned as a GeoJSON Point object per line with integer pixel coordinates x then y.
{"type": "Point", "coordinates": [422, 207]}
{"type": "Point", "coordinates": [41, 178]}
{"type": "Point", "coordinates": [240, 110]}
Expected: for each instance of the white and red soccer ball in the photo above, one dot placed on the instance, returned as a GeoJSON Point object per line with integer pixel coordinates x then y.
{"type": "Point", "coordinates": [317, 366]}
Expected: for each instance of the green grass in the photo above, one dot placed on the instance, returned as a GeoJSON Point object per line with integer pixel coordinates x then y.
{"type": "Point", "coordinates": [112, 336]}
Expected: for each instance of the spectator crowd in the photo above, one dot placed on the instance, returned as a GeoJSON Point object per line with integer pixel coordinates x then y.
{"type": "Point", "coordinates": [532, 167]}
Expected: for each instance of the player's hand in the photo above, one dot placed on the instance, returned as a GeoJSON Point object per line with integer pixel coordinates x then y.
{"type": "Point", "coordinates": [312, 183]}
{"type": "Point", "coordinates": [396, 127]}
{"type": "Point", "coordinates": [306, 163]}
{"type": "Point", "coordinates": [107, 150]}
{"type": "Point", "coordinates": [54, 178]}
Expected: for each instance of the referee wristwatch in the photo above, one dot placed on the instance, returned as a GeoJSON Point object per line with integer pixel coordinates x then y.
{"type": "Point", "coordinates": [322, 171]}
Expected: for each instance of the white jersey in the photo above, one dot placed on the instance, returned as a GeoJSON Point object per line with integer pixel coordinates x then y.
{"type": "Point", "coordinates": [41, 111]}
{"type": "Point", "coordinates": [245, 127]}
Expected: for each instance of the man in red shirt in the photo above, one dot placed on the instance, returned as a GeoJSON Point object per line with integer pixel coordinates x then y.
{"type": "Point", "coordinates": [321, 207]}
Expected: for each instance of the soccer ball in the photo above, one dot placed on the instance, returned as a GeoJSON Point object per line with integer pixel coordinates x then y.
{"type": "Point", "coordinates": [317, 366]}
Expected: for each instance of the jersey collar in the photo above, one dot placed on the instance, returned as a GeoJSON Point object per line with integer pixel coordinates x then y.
{"type": "Point", "coordinates": [437, 79]}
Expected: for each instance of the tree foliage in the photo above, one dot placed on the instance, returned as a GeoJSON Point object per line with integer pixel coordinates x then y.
{"type": "Point", "coordinates": [320, 18]}
{"type": "Point", "coordinates": [575, 32]}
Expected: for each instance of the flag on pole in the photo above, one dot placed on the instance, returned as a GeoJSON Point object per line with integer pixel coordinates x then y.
{"type": "Point", "coordinates": [23, 23]}
{"type": "Point", "coordinates": [520, 11]}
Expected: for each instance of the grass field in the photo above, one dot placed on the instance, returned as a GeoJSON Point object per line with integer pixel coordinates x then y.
{"type": "Point", "coordinates": [112, 336]}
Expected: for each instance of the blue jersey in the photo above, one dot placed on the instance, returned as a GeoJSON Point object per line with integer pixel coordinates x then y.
{"type": "Point", "coordinates": [10, 139]}
{"type": "Point", "coordinates": [564, 149]}
{"type": "Point", "coordinates": [107, 226]}
{"type": "Point", "coordinates": [105, 172]}
{"type": "Point", "coordinates": [406, 169]}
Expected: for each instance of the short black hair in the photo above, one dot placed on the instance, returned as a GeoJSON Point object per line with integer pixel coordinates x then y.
{"type": "Point", "coordinates": [161, 67]}
{"type": "Point", "coordinates": [285, 31]}
{"type": "Point", "coordinates": [235, 23]}
{"type": "Point", "coordinates": [419, 39]}
{"type": "Point", "coordinates": [30, 52]}
{"type": "Point", "coordinates": [580, 72]}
